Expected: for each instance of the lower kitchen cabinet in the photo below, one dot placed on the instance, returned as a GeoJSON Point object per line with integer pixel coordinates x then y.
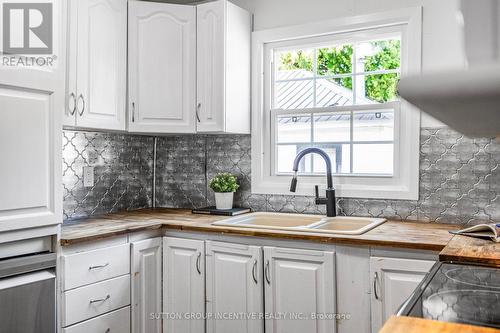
{"type": "Point", "coordinates": [115, 321]}
{"type": "Point", "coordinates": [299, 283]}
{"type": "Point", "coordinates": [198, 286]}
{"type": "Point", "coordinates": [146, 285]}
{"type": "Point", "coordinates": [393, 281]}
{"type": "Point", "coordinates": [234, 286]}
{"type": "Point", "coordinates": [183, 285]}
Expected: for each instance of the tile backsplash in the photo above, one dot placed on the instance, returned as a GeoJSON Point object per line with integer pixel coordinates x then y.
{"type": "Point", "coordinates": [459, 177]}
{"type": "Point", "coordinates": [123, 173]}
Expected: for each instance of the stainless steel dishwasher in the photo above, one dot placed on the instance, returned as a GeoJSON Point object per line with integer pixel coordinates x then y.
{"type": "Point", "coordinates": [28, 294]}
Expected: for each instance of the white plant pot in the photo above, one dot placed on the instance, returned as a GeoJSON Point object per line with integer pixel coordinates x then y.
{"type": "Point", "coordinates": [224, 200]}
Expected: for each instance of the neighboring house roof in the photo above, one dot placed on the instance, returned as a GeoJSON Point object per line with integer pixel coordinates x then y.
{"type": "Point", "coordinates": [299, 94]}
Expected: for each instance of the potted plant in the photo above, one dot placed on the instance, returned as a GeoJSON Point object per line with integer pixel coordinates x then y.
{"type": "Point", "coordinates": [224, 185]}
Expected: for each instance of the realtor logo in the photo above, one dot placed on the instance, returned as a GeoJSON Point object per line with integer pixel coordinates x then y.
{"type": "Point", "coordinates": [27, 28]}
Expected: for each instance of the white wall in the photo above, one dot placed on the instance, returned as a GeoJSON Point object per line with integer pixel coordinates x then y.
{"type": "Point", "coordinates": [442, 46]}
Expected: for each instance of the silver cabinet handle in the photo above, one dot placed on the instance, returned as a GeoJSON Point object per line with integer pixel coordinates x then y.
{"type": "Point", "coordinates": [72, 110]}
{"type": "Point", "coordinates": [92, 301]}
{"type": "Point", "coordinates": [198, 263]}
{"type": "Point", "coordinates": [375, 278]}
{"type": "Point", "coordinates": [266, 273]}
{"type": "Point", "coordinates": [197, 114]}
{"type": "Point", "coordinates": [133, 111]}
{"type": "Point", "coordinates": [80, 97]}
{"type": "Point", "coordinates": [254, 271]}
{"type": "Point", "coordinates": [98, 266]}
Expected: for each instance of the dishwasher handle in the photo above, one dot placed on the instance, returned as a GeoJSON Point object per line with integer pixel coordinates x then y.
{"type": "Point", "coordinates": [26, 279]}
{"type": "Point", "coordinates": [27, 264]}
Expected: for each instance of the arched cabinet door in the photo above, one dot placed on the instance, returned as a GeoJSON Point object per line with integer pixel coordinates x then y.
{"type": "Point", "coordinates": [162, 68]}
{"type": "Point", "coordinates": [101, 59]}
{"type": "Point", "coordinates": [223, 68]}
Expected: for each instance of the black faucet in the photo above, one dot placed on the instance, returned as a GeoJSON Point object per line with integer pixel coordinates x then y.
{"type": "Point", "coordinates": [331, 209]}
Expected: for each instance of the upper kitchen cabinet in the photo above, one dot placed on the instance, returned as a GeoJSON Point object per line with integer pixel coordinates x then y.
{"type": "Point", "coordinates": [162, 68]}
{"type": "Point", "coordinates": [223, 68]}
{"type": "Point", "coordinates": [97, 64]}
{"type": "Point", "coordinates": [31, 100]}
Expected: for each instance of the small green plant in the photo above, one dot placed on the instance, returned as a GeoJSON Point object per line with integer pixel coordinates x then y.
{"type": "Point", "coordinates": [224, 183]}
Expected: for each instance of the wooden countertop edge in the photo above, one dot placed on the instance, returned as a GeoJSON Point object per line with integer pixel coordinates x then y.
{"type": "Point", "coordinates": [224, 230]}
{"type": "Point", "coordinates": [468, 260]}
{"type": "Point", "coordinates": [320, 238]}
{"type": "Point", "coordinates": [93, 238]}
{"type": "Point", "coordinates": [471, 250]}
{"type": "Point", "coordinates": [419, 325]}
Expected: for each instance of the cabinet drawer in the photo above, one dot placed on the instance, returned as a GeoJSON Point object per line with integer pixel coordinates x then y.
{"type": "Point", "coordinates": [84, 268]}
{"type": "Point", "coordinates": [93, 300]}
{"type": "Point", "coordinates": [116, 321]}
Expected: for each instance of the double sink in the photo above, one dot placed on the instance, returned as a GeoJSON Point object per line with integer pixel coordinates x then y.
{"type": "Point", "coordinates": [346, 225]}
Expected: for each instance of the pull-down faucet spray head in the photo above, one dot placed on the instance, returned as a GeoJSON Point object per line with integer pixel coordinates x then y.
{"type": "Point", "coordinates": [293, 184]}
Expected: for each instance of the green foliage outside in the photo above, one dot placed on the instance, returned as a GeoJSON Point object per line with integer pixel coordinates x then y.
{"type": "Point", "coordinates": [338, 60]}
{"type": "Point", "coordinates": [223, 183]}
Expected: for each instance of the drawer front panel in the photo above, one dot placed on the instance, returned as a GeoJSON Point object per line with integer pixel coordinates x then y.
{"type": "Point", "coordinates": [116, 321]}
{"type": "Point", "coordinates": [93, 300]}
{"type": "Point", "coordinates": [84, 268]}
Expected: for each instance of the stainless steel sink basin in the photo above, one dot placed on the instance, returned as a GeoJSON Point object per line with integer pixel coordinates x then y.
{"type": "Point", "coordinates": [305, 223]}
{"type": "Point", "coordinates": [271, 221]}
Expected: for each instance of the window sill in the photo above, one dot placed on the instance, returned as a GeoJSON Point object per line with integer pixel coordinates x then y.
{"type": "Point", "coordinates": [279, 185]}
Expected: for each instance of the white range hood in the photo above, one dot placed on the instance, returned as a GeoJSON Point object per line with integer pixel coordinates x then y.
{"type": "Point", "coordinates": [466, 100]}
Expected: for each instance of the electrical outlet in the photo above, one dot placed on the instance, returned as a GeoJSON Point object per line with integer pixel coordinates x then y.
{"type": "Point", "coordinates": [88, 176]}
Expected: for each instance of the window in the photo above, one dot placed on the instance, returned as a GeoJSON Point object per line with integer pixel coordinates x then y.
{"type": "Point", "coordinates": [338, 97]}
{"type": "Point", "coordinates": [333, 85]}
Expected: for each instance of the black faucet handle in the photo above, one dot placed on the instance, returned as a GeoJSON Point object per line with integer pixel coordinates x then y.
{"type": "Point", "coordinates": [318, 200]}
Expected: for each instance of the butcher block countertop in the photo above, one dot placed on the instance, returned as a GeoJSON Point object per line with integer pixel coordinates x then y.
{"type": "Point", "coordinates": [419, 325]}
{"type": "Point", "coordinates": [410, 235]}
{"type": "Point", "coordinates": [471, 250]}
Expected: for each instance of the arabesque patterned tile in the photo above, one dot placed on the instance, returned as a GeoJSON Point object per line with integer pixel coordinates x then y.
{"type": "Point", "coordinates": [123, 173]}
{"type": "Point", "coordinates": [459, 177]}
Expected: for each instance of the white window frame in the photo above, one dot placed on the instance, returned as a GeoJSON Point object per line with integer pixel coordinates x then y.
{"type": "Point", "coordinates": [404, 183]}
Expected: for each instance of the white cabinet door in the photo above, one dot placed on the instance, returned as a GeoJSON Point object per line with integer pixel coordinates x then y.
{"type": "Point", "coordinates": [101, 64]}
{"type": "Point", "coordinates": [299, 283]}
{"type": "Point", "coordinates": [146, 285]}
{"type": "Point", "coordinates": [234, 285]}
{"type": "Point", "coordinates": [393, 281]}
{"type": "Point", "coordinates": [223, 67]}
{"type": "Point", "coordinates": [31, 106]}
{"type": "Point", "coordinates": [211, 36]}
{"type": "Point", "coordinates": [162, 67]}
{"type": "Point", "coordinates": [184, 284]}
{"type": "Point", "coordinates": [69, 115]}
